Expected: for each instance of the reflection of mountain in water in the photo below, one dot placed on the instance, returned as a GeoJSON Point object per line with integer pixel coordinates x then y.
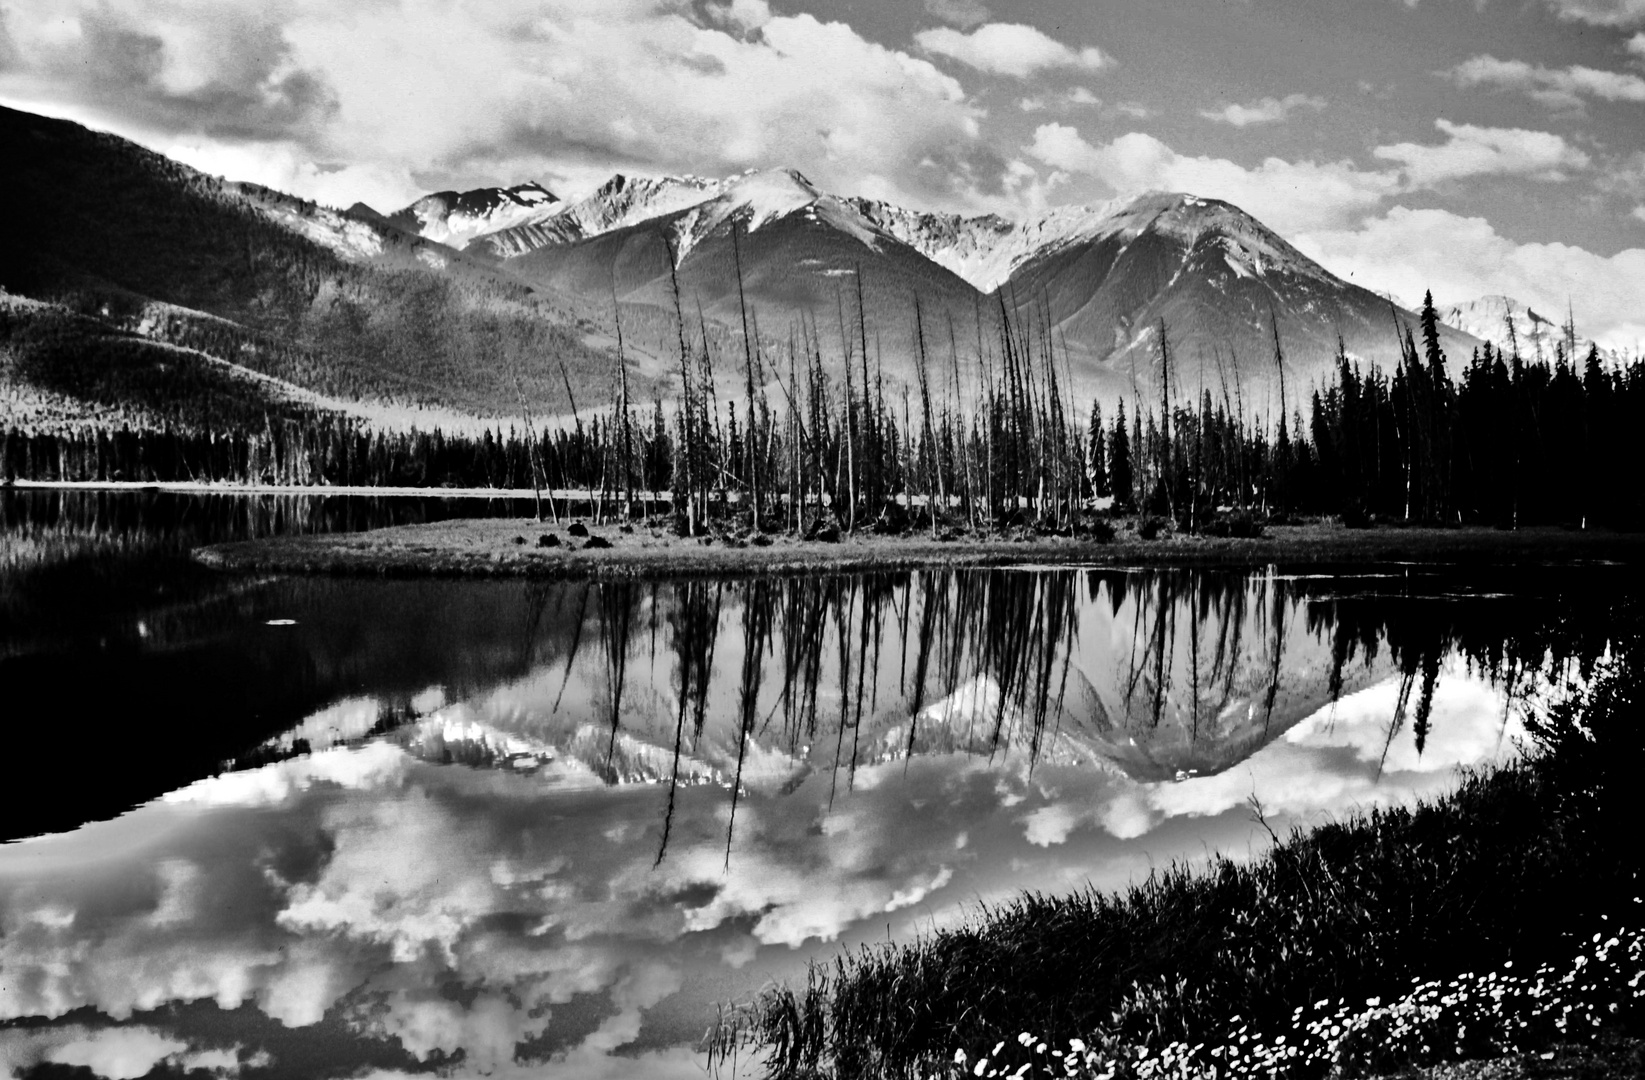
{"type": "Point", "coordinates": [758, 683]}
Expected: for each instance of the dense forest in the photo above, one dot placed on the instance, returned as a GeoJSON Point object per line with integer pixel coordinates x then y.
{"type": "Point", "coordinates": [775, 437]}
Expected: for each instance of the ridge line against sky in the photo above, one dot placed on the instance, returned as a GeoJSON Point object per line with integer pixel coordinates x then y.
{"type": "Point", "coordinates": [1468, 146]}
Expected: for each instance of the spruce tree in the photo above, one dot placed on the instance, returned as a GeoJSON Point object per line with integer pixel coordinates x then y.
{"type": "Point", "coordinates": [1119, 459]}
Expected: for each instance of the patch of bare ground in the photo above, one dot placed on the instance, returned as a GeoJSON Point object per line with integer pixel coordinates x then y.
{"type": "Point", "coordinates": [492, 547]}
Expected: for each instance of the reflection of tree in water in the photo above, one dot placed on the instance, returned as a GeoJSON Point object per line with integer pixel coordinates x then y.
{"type": "Point", "coordinates": [759, 683]}
{"type": "Point", "coordinates": [989, 661]}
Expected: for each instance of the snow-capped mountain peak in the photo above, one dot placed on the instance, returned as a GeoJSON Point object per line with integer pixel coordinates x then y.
{"type": "Point", "coordinates": [1535, 334]}
{"type": "Point", "coordinates": [455, 218]}
{"type": "Point", "coordinates": [987, 250]}
{"type": "Point", "coordinates": [759, 197]}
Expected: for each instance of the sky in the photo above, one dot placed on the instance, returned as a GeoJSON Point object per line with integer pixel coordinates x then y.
{"type": "Point", "coordinates": [1470, 147]}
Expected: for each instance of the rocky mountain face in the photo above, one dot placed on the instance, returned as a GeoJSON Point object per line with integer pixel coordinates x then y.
{"type": "Point", "coordinates": [456, 218]}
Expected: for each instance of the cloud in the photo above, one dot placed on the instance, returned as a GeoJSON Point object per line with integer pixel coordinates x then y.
{"type": "Point", "coordinates": [1481, 151]}
{"type": "Point", "coordinates": [564, 93]}
{"type": "Point", "coordinates": [1561, 88]}
{"type": "Point", "coordinates": [1636, 45]}
{"type": "Point", "coordinates": [1288, 196]}
{"type": "Point", "coordinates": [1405, 251]}
{"type": "Point", "coordinates": [118, 1053]}
{"type": "Point", "coordinates": [1638, 213]}
{"type": "Point", "coordinates": [1267, 111]}
{"type": "Point", "coordinates": [961, 13]}
{"type": "Point", "coordinates": [1051, 824]}
{"type": "Point", "coordinates": [1077, 97]}
{"type": "Point", "coordinates": [209, 69]}
{"type": "Point", "coordinates": [1011, 49]}
{"type": "Point", "coordinates": [1600, 12]}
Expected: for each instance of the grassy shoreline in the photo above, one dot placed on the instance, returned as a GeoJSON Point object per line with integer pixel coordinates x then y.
{"type": "Point", "coordinates": [500, 547]}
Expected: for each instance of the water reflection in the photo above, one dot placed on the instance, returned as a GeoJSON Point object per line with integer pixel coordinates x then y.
{"type": "Point", "coordinates": [758, 684]}
{"type": "Point", "coordinates": [515, 827]}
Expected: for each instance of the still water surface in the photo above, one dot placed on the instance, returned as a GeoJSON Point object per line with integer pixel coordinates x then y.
{"type": "Point", "coordinates": [329, 827]}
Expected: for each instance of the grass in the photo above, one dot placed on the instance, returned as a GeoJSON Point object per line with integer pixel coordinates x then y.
{"type": "Point", "coordinates": [1406, 906]}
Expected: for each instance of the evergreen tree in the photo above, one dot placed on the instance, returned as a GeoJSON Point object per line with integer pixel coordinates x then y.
{"type": "Point", "coordinates": [1119, 460]}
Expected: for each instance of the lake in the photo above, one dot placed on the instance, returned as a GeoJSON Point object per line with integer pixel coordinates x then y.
{"type": "Point", "coordinates": [305, 827]}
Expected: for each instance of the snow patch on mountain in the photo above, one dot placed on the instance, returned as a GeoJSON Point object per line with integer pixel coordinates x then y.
{"type": "Point", "coordinates": [620, 202]}
{"type": "Point", "coordinates": [756, 199]}
{"type": "Point", "coordinates": [986, 251]}
{"type": "Point", "coordinates": [353, 239]}
{"type": "Point", "coordinates": [456, 218]}
{"type": "Point", "coordinates": [1488, 318]}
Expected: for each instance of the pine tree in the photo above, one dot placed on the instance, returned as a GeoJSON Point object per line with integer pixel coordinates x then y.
{"type": "Point", "coordinates": [1119, 459]}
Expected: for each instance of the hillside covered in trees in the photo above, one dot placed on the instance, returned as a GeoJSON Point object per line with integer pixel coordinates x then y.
{"type": "Point", "coordinates": [332, 304]}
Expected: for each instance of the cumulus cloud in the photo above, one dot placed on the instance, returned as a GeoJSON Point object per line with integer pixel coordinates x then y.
{"type": "Point", "coordinates": [1480, 151]}
{"type": "Point", "coordinates": [1600, 12]}
{"type": "Point", "coordinates": [563, 92]}
{"type": "Point", "coordinates": [1638, 213]}
{"type": "Point", "coordinates": [1290, 196]}
{"type": "Point", "coordinates": [1269, 110]}
{"type": "Point", "coordinates": [1636, 45]}
{"type": "Point", "coordinates": [1405, 251]}
{"type": "Point", "coordinates": [1561, 88]}
{"type": "Point", "coordinates": [118, 1053]}
{"type": "Point", "coordinates": [961, 13]}
{"type": "Point", "coordinates": [1012, 49]}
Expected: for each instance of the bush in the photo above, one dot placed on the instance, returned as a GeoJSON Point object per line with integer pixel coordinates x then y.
{"type": "Point", "coordinates": [1150, 527]}
{"type": "Point", "coordinates": [1241, 524]}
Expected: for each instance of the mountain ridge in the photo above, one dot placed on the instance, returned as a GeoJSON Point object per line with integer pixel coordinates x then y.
{"type": "Point", "coordinates": [1095, 282]}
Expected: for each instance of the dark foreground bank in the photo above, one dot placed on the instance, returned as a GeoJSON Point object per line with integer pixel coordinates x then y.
{"type": "Point", "coordinates": [503, 547]}
{"type": "Point", "coordinates": [1502, 920]}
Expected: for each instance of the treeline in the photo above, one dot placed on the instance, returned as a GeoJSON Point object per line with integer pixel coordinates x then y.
{"type": "Point", "coordinates": [985, 435]}
{"type": "Point", "coordinates": [320, 450]}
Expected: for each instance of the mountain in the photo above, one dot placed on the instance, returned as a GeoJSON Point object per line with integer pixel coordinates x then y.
{"type": "Point", "coordinates": [800, 252]}
{"type": "Point", "coordinates": [619, 202]}
{"type": "Point", "coordinates": [346, 306]}
{"type": "Point", "coordinates": [1534, 334]}
{"type": "Point", "coordinates": [456, 218]}
{"type": "Point", "coordinates": [1224, 286]}
{"type": "Point", "coordinates": [1093, 281]}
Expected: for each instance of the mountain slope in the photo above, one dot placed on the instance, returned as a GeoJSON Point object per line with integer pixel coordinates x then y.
{"type": "Point", "coordinates": [1221, 282]}
{"type": "Point", "coordinates": [342, 305]}
{"type": "Point", "coordinates": [619, 202]}
{"type": "Point", "coordinates": [455, 218]}
{"type": "Point", "coordinates": [800, 252]}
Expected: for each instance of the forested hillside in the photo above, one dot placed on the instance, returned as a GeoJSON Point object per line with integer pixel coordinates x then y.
{"type": "Point", "coordinates": [341, 306]}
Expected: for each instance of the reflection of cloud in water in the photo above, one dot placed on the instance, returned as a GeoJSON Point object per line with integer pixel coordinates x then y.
{"type": "Point", "coordinates": [1341, 759]}
{"type": "Point", "coordinates": [439, 909]}
{"type": "Point", "coordinates": [375, 765]}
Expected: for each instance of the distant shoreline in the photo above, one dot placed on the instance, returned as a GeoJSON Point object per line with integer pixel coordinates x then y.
{"type": "Point", "coordinates": [202, 487]}
{"type": "Point", "coordinates": [504, 547]}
